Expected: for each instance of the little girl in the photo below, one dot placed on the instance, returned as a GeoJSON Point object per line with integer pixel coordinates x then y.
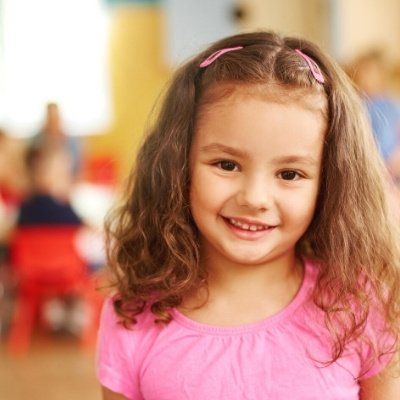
{"type": "Point", "coordinates": [255, 256]}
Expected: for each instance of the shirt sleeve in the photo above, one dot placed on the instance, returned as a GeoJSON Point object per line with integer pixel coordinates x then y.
{"type": "Point", "coordinates": [116, 364]}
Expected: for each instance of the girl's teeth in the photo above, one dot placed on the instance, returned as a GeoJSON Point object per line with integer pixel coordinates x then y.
{"type": "Point", "coordinates": [247, 227]}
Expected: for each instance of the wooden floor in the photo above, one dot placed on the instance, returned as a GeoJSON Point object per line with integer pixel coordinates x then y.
{"type": "Point", "coordinates": [54, 369]}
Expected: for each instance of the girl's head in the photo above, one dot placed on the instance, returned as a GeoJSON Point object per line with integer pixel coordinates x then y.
{"type": "Point", "coordinates": [254, 169]}
{"type": "Point", "coordinates": [265, 91]}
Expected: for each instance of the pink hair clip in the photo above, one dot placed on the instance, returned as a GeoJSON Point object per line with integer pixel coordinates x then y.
{"type": "Point", "coordinates": [209, 60]}
{"type": "Point", "coordinates": [314, 68]}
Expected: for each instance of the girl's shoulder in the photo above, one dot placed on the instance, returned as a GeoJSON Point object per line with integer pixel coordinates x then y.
{"type": "Point", "coordinates": [111, 320]}
{"type": "Point", "coordinates": [121, 349]}
{"type": "Point", "coordinates": [115, 336]}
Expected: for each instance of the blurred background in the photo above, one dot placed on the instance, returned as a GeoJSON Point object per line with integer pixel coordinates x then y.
{"type": "Point", "coordinates": [78, 81]}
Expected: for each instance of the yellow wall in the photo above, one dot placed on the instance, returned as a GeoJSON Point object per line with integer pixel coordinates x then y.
{"type": "Point", "coordinates": [307, 18]}
{"type": "Point", "coordinates": [363, 24]}
{"type": "Point", "coordinates": [138, 75]}
{"type": "Point", "coordinates": [138, 72]}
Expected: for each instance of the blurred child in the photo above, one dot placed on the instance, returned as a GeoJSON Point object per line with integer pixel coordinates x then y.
{"type": "Point", "coordinates": [13, 185]}
{"type": "Point", "coordinates": [51, 184]}
{"type": "Point", "coordinates": [49, 169]}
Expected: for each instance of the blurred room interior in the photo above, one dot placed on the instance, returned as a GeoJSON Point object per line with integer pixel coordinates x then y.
{"type": "Point", "coordinates": [78, 81]}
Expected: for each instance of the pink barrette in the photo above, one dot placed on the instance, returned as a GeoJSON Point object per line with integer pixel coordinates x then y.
{"type": "Point", "coordinates": [314, 68]}
{"type": "Point", "coordinates": [209, 60]}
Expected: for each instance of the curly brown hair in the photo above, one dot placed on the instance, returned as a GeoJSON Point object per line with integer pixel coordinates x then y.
{"type": "Point", "coordinates": [152, 241]}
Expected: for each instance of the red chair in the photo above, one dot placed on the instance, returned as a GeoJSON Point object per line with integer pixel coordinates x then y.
{"type": "Point", "coordinates": [46, 264]}
{"type": "Point", "coordinates": [101, 170]}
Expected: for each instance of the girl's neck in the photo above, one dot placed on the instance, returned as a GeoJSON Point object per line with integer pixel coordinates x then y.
{"type": "Point", "coordinates": [245, 293]}
{"type": "Point", "coordinates": [225, 275]}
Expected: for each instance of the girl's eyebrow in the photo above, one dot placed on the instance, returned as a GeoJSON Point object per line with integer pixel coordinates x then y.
{"type": "Point", "coordinates": [286, 159]}
{"type": "Point", "coordinates": [295, 158]}
{"type": "Point", "coordinates": [218, 147]}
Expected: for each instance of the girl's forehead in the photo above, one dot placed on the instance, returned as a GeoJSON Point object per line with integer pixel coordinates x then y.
{"type": "Point", "coordinates": [230, 92]}
{"type": "Point", "coordinates": [259, 126]}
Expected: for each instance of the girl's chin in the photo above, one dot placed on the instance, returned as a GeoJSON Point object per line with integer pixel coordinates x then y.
{"type": "Point", "coordinates": [245, 258]}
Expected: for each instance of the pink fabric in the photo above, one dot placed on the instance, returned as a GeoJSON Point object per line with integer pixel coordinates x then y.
{"type": "Point", "coordinates": [276, 358]}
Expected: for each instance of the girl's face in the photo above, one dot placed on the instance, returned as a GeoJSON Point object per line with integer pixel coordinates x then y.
{"type": "Point", "coordinates": [255, 169]}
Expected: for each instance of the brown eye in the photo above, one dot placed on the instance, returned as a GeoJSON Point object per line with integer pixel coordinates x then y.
{"type": "Point", "coordinates": [227, 165]}
{"type": "Point", "coordinates": [289, 175]}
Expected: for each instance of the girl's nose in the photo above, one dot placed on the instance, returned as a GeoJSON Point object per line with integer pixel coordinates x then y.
{"type": "Point", "coordinates": [256, 193]}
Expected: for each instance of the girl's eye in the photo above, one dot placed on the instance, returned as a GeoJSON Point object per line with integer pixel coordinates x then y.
{"type": "Point", "coordinates": [227, 165]}
{"type": "Point", "coordinates": [289, 175]}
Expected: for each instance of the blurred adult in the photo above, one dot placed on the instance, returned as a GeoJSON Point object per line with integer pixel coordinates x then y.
{"type": "Point", "coordinates": [370, 73]}
{"type": "Point", "coordinates": [53, 134]}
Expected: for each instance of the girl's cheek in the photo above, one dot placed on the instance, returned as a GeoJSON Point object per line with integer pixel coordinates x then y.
{"type": "Point", "coordinates": [301, 205]}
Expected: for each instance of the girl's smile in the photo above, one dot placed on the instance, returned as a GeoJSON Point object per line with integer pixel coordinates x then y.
{"type": "Point", "coordinates": [255, 167]}
{"type": "Point", "coordinates": [248, 229]}
{"type": "Point", "coordinates": [246, 232]}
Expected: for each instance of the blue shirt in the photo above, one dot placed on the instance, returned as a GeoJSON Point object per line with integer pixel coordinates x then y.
{"type": "Point", "coordinates": [384, 114]}
{"type": "Point", "coordinates": [44, 209]}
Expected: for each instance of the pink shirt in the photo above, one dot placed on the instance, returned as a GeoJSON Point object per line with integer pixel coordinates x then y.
{"type": "Point", "coordinates": [276, 358]}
